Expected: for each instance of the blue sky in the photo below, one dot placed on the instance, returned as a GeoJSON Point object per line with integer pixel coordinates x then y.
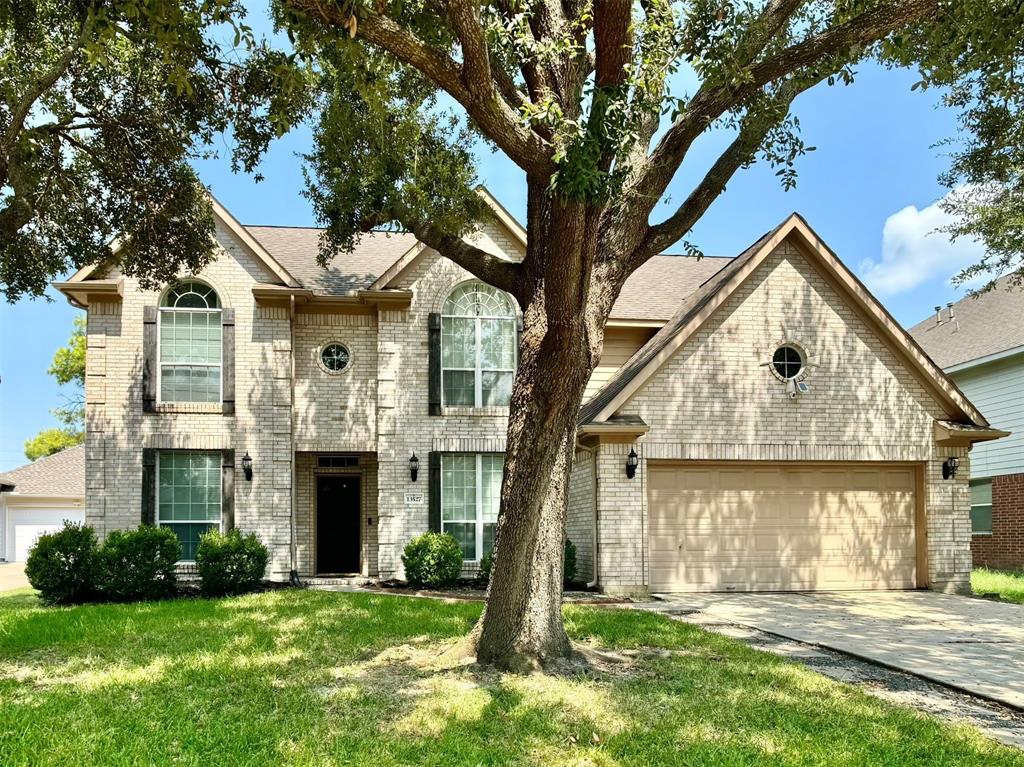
{"type": "Point", "coordinates": [869, 189]}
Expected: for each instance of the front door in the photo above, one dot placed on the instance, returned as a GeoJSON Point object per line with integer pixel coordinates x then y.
{"type": "Point", "coordinates": [337, 524]}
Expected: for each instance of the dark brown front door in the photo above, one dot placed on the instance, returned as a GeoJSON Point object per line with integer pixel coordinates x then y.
{"type": "Point", "coordinates": [337, 524]}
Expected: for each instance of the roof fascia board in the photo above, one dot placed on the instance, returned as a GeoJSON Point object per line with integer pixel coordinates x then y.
{"type": "Point", "coordinates": [509, 221]}
{"type": "Point", "coordinates": [243, 235]}
{"type": "Point", "coordinates": [80, 293]}
{"type": "Point", "coordinates": [627, 323]}
{"type": "Point", "coordinates": [696, 321]}
{"type": "Point", "coordinates": [994, 357]}
{"type": "Point", "coordinates": [933, 374]}
{"type": "Point", "coordinates": [398, 267]}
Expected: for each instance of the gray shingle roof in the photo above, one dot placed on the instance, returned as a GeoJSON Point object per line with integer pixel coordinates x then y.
{"type": "Point", "coordinates": [689, 308]}
{"type": "Point", "coordinates": [990, 323]}
{"type": "Point", "coordinates": [296, 249]}
{"type": "Point", "coordinates": [60, 474]}
{"type": "Point", "coordinates": [653, 292]}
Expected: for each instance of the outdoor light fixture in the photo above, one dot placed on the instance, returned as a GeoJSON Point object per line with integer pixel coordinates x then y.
{"type": "Point", "coordinates": [414, 466]}
{"type": "Point", "coordinates": [632, 461]}
{"type": "Point", "coordinates": [949, 467]}
{"type": "Point", "coordinates": [247, 466]}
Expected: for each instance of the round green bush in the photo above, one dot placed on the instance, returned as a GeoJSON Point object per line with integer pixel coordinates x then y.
{"type": "Point", "coordinates": [432, 559]}
{"type": "Point", "coordinates": [569, 564]}
{"type": "Point", "coordinates": [139, 564]}
{"type": "Point", "coordinates": [231, 563]}
{"type": "Point", "coordinates": [483, 575]}
{"type": "Point", "coordinates": [62, 565]}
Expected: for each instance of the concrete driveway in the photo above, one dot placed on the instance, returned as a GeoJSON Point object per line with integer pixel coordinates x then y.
{"type": "Point", "coordinates": [12, 576]}
{"type": "Point", "coordinates": [972, 644]}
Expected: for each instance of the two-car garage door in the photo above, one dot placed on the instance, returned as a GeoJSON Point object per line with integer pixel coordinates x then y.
{"type": "Point", "coordinates": [748, 527]}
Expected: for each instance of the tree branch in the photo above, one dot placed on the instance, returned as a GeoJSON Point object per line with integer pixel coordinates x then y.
{"type": "Point", "coordinates": [492, 114]}
{"type": "Point", "coordinates": [476, 62]}
{"type": "Point", "coordinates": [612, 41]}
{"type": "Point", "coordinates": [740, 152]}
{"type": "Point", "coordinates": [711, 102]}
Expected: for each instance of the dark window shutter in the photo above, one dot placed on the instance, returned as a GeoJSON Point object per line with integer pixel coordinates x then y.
{"type": "Point", "coordinates": [434, 492]}
{"type": "Point", "coordinates": [149, 362]}
{"type": "Point", "coordinates": [148, 486]}
{"type": "Point", "coordinates": [519, 337]}
{"type": "Point", "coordinates": [434, 371]}
{"type": "Point", "coordinates": [227, 489]}
{"type": "Point", "coordinates": [227, 321]}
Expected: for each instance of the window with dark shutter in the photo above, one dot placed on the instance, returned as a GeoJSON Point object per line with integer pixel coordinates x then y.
{"type": "Point", "coordinates": [149, 368]}
{"type": "Point", "coordinates": [228, 361]}
{"type": "Point", "coordinates": [227, 488]}
{"type": "Point", "coordinates": [434, 492]}
{"type": "Point", "coordinates": [434, 359]}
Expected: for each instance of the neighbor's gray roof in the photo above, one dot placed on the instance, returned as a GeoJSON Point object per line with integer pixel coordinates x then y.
{"type": "Point", "coordinates": [296, 249]}
{"type": "Point", "coordinates": [990, 323]}
{"type": "Point", "coordinates": [653, 292]}
{"type": "Point", "coordinates": [60, 474]}
{"type": "Point", "coordinates": [696, 301]}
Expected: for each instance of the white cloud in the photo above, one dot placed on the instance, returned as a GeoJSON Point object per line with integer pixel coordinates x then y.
{"type": "Point", "coordinates": [913, 252]}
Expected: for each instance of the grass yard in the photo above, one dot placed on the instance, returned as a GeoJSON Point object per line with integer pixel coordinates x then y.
{"type": "Point", "coordinates": [1008, 584]}
{"type": "Point", "coordinates": [314, 678]}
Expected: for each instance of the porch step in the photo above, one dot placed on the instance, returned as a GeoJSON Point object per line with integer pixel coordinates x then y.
{"type": "Point", "coordinates": [348, 581]}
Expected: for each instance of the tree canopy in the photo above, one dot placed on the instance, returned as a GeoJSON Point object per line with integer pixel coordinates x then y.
{"type": "Point", "coordinates": [68, 369]}
{"type": "Point", "coordinates": [103, 103]}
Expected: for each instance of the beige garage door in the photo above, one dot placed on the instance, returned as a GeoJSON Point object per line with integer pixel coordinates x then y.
{"type": "Point", "coordinates": [749, 527]}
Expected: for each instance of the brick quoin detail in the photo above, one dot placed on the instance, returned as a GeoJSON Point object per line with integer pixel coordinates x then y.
{"type": "Point", "coordinates": [1005, 547]}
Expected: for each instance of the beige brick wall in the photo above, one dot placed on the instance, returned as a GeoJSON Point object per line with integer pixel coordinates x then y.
{"type": "Point", "coordinates": [579, 522]}
{"type": "Point", "coordinates": [118, 430]}
{"type": "Point", "coordinates": [404, 425]}
{"type": "Point", "coordinates": [714, 400]}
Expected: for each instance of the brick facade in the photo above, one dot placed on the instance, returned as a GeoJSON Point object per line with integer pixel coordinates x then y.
{"type": "Point", "coordinates": [714, 400]}
{"type": "Point", "coordinates": [1004, 548]}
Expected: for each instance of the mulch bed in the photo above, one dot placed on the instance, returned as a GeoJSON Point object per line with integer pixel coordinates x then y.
{"type": "Point", "coordinates": [468, 590]}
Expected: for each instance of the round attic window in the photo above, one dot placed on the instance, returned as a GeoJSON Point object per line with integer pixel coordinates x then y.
{"type": "Point", "coordinates": [335, 358]}
{"type": "Point", "coordinates": [788, 362]}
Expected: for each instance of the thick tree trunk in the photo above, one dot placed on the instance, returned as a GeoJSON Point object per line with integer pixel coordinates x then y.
{"type": "Point", "coordinates": [522, 626]}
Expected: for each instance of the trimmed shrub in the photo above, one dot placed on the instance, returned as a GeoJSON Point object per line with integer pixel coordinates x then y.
{"type": "Point", "coordinates": [569, 565]}
{"type": "Point", "coordinates": [483, 576]}
{"type": "Point", "coordinates": [432, 559]}
{"type": "Point", "coordinates": [139, 564]}
{"type": "Point", "coordinates": [231, 563]}
{"type": "Point", "coordinates": [62, 565]}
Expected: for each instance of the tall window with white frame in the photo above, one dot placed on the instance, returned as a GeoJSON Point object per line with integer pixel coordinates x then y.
{"type": "Point", "coordinates": [188, 496]}
{"type": "Point", "coordinates": [470, 499]}
{"type": "Point", "coordinates": [190, 349]}
{"type": "Point", "coordinates": [478, 347]}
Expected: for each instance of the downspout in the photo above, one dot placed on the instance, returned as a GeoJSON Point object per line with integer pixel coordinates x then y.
{"type": "Point", "coordinates": [293, 575]}
{"type": "Point", "coordinates": [594, 544]}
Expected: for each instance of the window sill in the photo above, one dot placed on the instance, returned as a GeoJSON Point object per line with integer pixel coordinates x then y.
{"type": "Point", "coordinates": [476, 412]}
{"type": "Point", "coordinates": [215, 408]}
{"type": "Point", "coordinates": [981, 535]}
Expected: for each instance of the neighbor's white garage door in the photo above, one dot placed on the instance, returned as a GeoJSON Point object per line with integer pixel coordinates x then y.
{"type": "Point", "coordinates": [26, 525]}
{"type": "Point", "coordinates": [749, 527]}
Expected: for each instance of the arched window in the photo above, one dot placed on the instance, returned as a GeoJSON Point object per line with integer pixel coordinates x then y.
{"type": "Point", "coordinates": [190, 348]}
{"type": "Point", "coordinates": [478, 347]}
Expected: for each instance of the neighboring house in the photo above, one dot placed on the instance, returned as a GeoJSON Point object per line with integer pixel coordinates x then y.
{"type": "Point", "coordinates": [38, 498]}
{"type": "Point", "coordinates": [979, 343]}
{"type": "Point", "coordinates": [340, 411]}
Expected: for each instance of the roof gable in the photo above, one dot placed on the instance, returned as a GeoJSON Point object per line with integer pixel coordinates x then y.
{"type": "Point", "coordinates": [706, 300]}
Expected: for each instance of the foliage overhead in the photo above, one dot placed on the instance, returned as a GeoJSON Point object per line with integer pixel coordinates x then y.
{"type": "Point", "coordinates": [103, 103]}
{"type": "Point", "coordinates": [585, 98]}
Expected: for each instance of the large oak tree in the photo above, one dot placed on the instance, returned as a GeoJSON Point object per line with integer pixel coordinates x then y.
{"type": "Point", "coordinates": [578, 94]}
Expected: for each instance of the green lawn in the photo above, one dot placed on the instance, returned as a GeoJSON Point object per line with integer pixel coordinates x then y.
{"type": "Point", "coordinates": [313, 678]}
{"type": "Point", "coordinates": [1008, 584]}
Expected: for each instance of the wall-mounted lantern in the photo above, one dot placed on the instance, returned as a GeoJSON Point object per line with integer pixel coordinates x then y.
{"type": "Point", "coordinates": [632, 461]}
{"type": "Point", "coordinates": [949, 467]}
{"type": "Point", "coordinates": [247, 466]}
{"type": "Point", "coordinates": [414, 466]}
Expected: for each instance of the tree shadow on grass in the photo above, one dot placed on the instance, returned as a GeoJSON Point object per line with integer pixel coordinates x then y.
{"type": "Point", "coordinates": [311, 678]}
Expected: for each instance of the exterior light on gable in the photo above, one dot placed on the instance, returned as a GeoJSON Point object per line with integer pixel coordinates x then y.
{"type": "Point", "coordinates": [632, 461]}
{"type": "Point", "coordinates": [414, 466]}
{"type": "Point", "coordinates": [247, 466]}
{"type": "Point", "coordinates": [949, 467]}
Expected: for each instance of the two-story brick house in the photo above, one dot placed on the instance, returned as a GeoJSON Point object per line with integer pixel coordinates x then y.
{"type": "Point", "coordinates": [782, 431]}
